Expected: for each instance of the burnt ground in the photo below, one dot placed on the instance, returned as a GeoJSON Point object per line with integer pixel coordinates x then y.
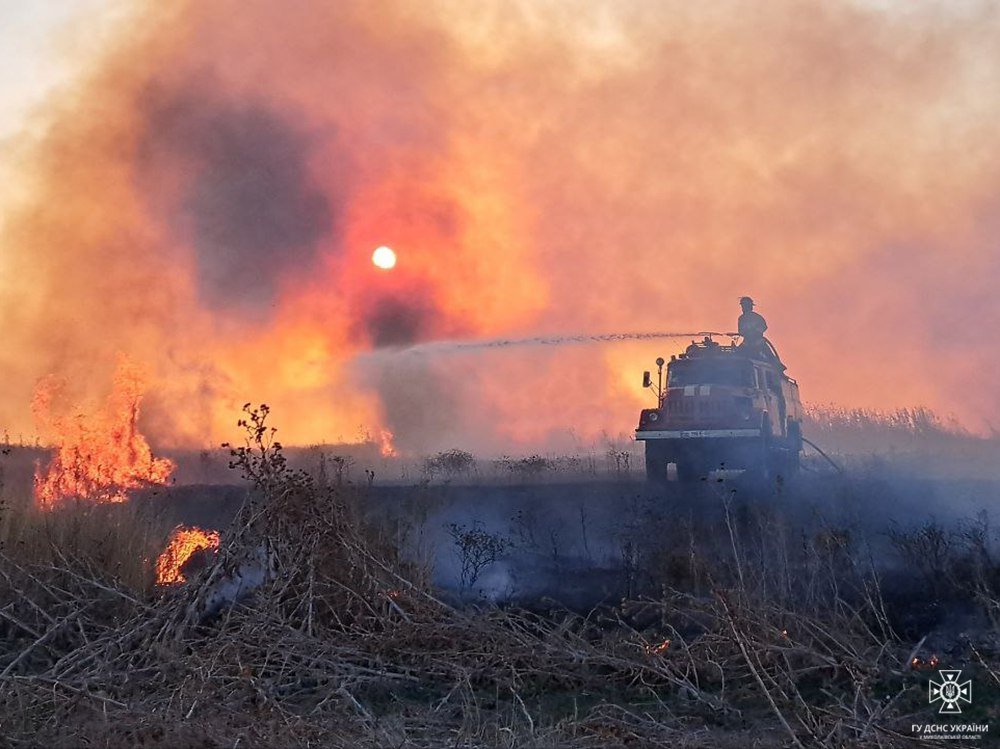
{"type": "Point", "coordinates": [587, 541]}
{"type": "Point", "coordinates": [613, 612]}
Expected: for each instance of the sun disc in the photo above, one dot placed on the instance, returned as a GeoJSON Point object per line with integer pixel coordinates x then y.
{"type": "Point", "coordinates": [384, 258]}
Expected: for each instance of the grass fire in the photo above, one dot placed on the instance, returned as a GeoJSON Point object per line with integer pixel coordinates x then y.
{"type": "Point", "coordinates": [386, 375]}
{"type": "Point", "coordinates": [184, 543]}
{"type": "Point", "coordinates": [97, 456]}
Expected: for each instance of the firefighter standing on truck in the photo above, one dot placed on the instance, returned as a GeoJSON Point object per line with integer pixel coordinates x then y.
{"type": "Point", "coordinates": [751, 327]}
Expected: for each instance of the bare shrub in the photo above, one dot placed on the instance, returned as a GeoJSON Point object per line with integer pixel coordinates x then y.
{"type": "Point", "coordinates": [568, 463]}
{"type": "Point", "coordinates": [450, 464]}
{"type": "Point", "coordinates": [477, 549]}
{"type": "Point", "coordinates": [333, 468]}
{"type": "Point", "coordinates": [531, 466]}
{"type": "Point", "coordinates": [619, 461]}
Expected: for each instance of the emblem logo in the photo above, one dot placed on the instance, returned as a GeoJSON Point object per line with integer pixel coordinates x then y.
{"type": "Point", "coordinates": [950, 692]}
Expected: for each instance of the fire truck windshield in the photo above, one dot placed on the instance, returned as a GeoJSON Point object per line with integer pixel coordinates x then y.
{"type": "Point", "coordinates": [684, 372]}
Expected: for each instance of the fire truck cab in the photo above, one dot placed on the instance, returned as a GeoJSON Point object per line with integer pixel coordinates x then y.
{"type": "Point", "coordinates": [722, 407]}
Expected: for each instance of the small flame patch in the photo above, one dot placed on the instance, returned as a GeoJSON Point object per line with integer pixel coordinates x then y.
{"type": "Point", "coordinates": [386, 444]}
{"type": "Point", "coordinates": [184, 543]}
{"type": "Point", "coordinates": [657, 648]}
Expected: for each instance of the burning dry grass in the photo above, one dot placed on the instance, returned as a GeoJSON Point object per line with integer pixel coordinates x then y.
{"type": "Point", "coordinates": [183, 545]}
{"type": "Point", "coordinates": [118, 540]}
{"type": "Point", "coordinates": [100, 456]}
{"type": "Point", "coordinates": [306, 628]}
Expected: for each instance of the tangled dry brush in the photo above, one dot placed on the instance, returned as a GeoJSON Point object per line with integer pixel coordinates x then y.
{"type": "Point", "coordinates": [307, 628]}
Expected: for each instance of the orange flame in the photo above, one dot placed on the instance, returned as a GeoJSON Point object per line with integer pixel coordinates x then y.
{"type": "Point", "coordinates": [184, 542]}
{"type": "Point", "coordinates": [385, 444]}
{"type": "Point", "coordinates": [101, 455]}
{"type": "Point", "coordinates": [658, 648]}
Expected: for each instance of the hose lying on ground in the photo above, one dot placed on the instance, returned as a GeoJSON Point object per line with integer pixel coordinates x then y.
{"type": "Point", "coordinates": [820, 451]}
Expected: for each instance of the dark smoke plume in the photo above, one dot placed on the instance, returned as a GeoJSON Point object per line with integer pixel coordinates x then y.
{"type": "Point", "coordinates": [246, 199]}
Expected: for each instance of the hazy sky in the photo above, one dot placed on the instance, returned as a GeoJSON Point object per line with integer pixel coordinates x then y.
{"type": "Point", "coordinates": [210, 178]}
{"type": "Point", "coordinates": [36, 34]}
{"type": "Point", "coordinates": [38, 38]}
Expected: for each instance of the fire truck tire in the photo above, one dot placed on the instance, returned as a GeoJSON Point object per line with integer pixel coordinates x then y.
{"type": "Point", "coordinates": [788, 464]}
{"type": "Point", "coordinates": [656, 463]}
{"type": "Point", "coordinates": [763, 467]}
{"type": "Point", "coordinates": [687, 472]}
{"type": "Point", "coordinates": [785, 458]}
{"type": "Point", "coordinates": [795, 438]}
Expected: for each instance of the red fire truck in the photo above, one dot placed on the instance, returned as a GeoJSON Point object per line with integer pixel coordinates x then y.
{"type": "Point", "coordinates": [722, 407]}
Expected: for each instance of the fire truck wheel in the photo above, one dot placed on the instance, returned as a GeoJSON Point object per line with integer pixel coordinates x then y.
{"type": "Point", "coordinates": [656, 464]}
{"type": "Point", "coordinates": [686, 472]}
{"type": "Point", "coordinates": [764, 462]}
{"type": "Point", "coordinates": [787, 464]}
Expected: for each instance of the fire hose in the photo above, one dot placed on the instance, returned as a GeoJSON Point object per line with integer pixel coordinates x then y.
{"type": "Point", "coordinates": [817, 448]}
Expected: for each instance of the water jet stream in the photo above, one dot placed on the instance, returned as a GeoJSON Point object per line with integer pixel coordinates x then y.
{"type": "Point", "coordinates": [456, 347]}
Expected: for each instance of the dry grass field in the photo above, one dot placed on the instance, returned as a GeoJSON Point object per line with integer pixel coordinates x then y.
{"type": "Point", "coordinates": [319, 621]}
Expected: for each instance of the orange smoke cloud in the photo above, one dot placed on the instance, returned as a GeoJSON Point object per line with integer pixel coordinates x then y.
{"type": "Point", "coordinates": [208, 197]}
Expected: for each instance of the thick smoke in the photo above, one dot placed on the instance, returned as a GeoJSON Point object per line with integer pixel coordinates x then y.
{"type": "Point", "coordinates": [247, 203]}
{"type": "Point", "coordinates": [207, 198]}
{"type": "Point", "coordinates": [421, 405]}
{"type": "Point", "coordinates": [393, 322]}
